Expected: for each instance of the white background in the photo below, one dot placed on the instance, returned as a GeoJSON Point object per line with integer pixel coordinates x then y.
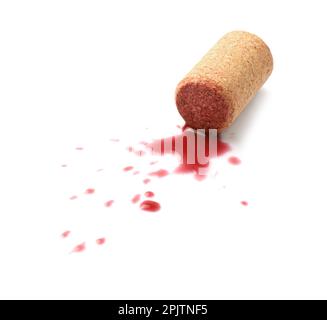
{"type": "Point", "coordinates": [77, 73]}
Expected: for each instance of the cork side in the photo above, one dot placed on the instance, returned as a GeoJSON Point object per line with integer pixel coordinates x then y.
{"type": "Point", "coordinates": [203, 104]}
{"type": "Point", "coordinates": [249, 63]}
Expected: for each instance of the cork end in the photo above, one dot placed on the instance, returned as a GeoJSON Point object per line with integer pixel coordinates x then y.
{"type": "Point", "coordinates": [202, 104]}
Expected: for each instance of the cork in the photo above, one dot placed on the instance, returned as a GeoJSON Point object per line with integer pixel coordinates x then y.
{"type": "Point", "coordinates": [214, 93]}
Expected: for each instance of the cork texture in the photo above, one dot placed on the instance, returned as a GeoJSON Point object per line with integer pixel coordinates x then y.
{"type": "Point", "coordinates": [218, 88]}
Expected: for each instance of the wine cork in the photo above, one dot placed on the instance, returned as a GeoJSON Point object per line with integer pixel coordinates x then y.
{"type": "Point", "coordinates": [218, 88]}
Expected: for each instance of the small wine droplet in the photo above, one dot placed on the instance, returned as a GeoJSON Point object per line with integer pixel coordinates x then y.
{"type": "Point", "coordinates": [149, 205]}
{"type": "Point", "coordinates": [101, 241]}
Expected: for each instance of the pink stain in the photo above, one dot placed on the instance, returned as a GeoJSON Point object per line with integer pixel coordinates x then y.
{"type": "Point", "coordinates": [136, 173]}
{"type": "Point", "coordinates": [149, 205]}
{"type": "Point", "coordinates": [194, 150]}
{"type": "Point", "coordinates": [101, 241]}
{"type": "Point", "coordinates": [65, 234]}
{"type": "Point", "coordinates": [244, 203]}
{"type": "Point", "coordinates": [159, 173]}
{"type": "Point", "coordinates": [129, 168]}
{"type": "Point", "coordinates": [136, 198]}
{"type": "Point", "coordinates": [79, 248]}
{"type": "Point", "coordinates": [234, 161]}
{"type": "Point", "coordinates": [109, 203]}
{"type": "Point", "coordinates": [198, 177]}
{"type": "Point", "coordinates": [146, 181]}
{"type": "Point", "coordinates": [149, 194]}
{"type": "Point", "coordinates": [89, 191]}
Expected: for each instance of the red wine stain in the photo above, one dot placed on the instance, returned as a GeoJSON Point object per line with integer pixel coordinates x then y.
{"type": "Point", "coordinates": [194, 150]}
{"type": "Point", "coordinates": [149, 194]}
{"type": "Point", "coordinates": [80, 247]}
{"type": "Point", "coordinates": [201, 148]}
{"type": "Point", "coordinates": [100, 241]}
{"type": "Point", "coordinates": [149, 205]}
{"type": "Point", "coordinates": [73, 198]}
{"type": "Point", "coordinates": [159, 173]}
{"type": "Point", "coordinates": [89, 191]}
{"type": "Point", "coordinates": [244, 203]}
{"type": "Point", "coordinates": [234, 161]}
{"type": "Point", "coordinates": [65, 234]}
{"type": "Point", "coordinates": [109, 203]}
{"type": "Point", "coordinates": [129, 168]}
{"type": "Point", "coordinates": [136, 198]}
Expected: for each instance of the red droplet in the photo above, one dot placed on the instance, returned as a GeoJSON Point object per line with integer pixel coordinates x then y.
{"type": "Point", "coordinates": [79, 248]}
{"type": "Point", "coordinates": [136, 198]}
{"type": "Point", "coordinates": [244, 203]}
{"type": "Point", "coordinates": [149, 205]}
{"type": "Point", "coordinates": [146, 181]}
{"type": "Point", "coordinates": [129, 168]}
{"type": "Point", "coordinates": [149, 194]}
{"type": "Point", "coordinates": [65, 234]}
{"type": "Point", "coordinates": [101, 241]}
{"type": "Point", "coordinates": [198, 176]}
{"type": "Point", "coordinates": [159, 173]}
{"type": "Point", "coordinates": [79, 148]}
{"type": "Point", "coordinates": [89, 191]}
{"type": "Point", "coordinates": [109, 203]}
{"type": "Point", "coordinates": [222, 147]}
{"type": "Point", "coordinates": [73, 198]}
{"type": "Point", "coordinates": [234, 161]}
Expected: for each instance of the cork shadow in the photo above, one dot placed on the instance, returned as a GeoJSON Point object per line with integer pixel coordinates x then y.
{"type": "Point", "coordinates": [237, 131]}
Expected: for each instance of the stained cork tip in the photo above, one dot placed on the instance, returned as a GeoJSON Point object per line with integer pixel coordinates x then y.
{"type": "Point", "coordinates": [218, 88]}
